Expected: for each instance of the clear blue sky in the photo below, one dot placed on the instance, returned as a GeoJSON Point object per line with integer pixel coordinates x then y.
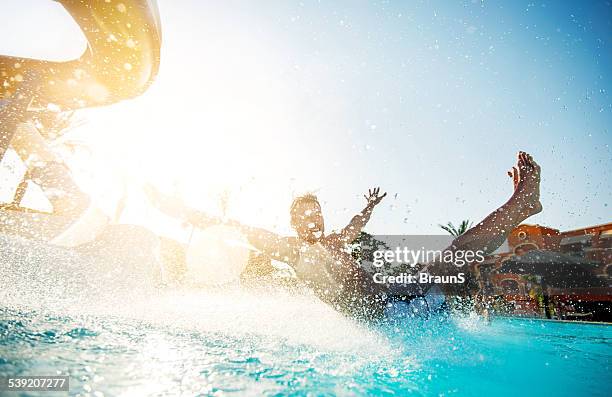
{"type": "Point", "coordinates": [430, 100]}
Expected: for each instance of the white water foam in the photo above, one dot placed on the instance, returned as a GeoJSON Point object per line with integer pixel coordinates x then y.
{"type": "Point", "coordinates": [36, 276]}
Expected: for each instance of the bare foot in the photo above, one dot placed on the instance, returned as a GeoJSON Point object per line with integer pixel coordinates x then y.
{"type": "Point", "coordinates": [526, 178]}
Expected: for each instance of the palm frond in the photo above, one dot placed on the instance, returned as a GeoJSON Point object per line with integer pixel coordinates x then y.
{"type": "Point", "coordinates": [464, 226]}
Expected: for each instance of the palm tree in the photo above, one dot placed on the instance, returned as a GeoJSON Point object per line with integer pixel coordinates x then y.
{"type": "Point", "coordinates": [464, 226]}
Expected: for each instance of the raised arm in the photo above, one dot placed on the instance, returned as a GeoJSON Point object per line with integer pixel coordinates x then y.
{"type": "Point", "coordinates": [270, 244]}
{"type": "Point", "coordinates": [356, 225]}
{"type": "Point", "coordinates": [284, 249]}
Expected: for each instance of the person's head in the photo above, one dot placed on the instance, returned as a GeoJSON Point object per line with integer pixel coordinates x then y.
{"type": "Point", "coordinates": [306, 218]}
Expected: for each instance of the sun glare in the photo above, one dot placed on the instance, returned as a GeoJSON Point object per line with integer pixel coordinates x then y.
{"type": "Point", "coordinates": [203, 136]}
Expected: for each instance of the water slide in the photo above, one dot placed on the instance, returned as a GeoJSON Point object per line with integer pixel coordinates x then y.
{"type": "Point", "coordinates": [120, 62]}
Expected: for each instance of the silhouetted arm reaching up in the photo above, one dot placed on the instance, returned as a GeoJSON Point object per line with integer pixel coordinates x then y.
{"type": "Point", "coordinates": [356, 225]}
{"type": "Point", "coordinates": [277, 247]}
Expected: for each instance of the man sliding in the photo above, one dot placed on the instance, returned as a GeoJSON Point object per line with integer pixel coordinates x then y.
{"type": "Point", "coordinates": [323, 262]}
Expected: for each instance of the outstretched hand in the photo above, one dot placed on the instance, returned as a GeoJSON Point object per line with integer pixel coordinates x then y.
{"type": "Point", "coordinates": [170, 205]}
{"type": "Point", "coordinates": [373, 197]}
{"type": "Point", "coordinates": [175, 207]}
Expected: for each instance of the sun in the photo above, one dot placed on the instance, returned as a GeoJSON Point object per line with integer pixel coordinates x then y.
{"type": "Point", "coordinates": [209, 152]}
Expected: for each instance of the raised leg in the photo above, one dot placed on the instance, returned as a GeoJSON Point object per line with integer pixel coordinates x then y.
{"type": "Point", "coordinates": [491, 232]}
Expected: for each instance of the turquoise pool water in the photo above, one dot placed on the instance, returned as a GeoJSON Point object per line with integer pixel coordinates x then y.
{"type": "Point", "coordinates": [150, 355]}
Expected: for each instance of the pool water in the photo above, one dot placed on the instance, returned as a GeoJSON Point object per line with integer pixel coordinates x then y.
{"type": "Point", "coordinates": [251, 343]}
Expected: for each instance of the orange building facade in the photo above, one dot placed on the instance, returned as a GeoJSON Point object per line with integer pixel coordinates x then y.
{"type": "Point", "coordinates": [525, 293]}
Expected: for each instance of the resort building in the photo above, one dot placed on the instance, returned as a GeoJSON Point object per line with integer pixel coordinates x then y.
{"type": "Point", "coordinates": [541, 271]}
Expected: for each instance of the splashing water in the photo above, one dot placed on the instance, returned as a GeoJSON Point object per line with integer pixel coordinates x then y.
{"type": "Point", "coordinates": [115, 333]}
